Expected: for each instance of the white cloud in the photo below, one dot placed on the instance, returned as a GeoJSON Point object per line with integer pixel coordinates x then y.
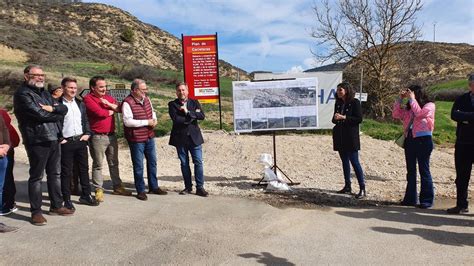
{"type": "Point", "coordinates": [295, 69]}
{"type": "Point", "coordinates": [311, 62]}
{"type": "Point", "coordinates": [454, 20]}
{"type": "Point", "coordinates": [257, 30]}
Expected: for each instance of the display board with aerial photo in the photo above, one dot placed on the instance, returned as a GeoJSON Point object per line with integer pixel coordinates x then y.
{"type": "Point", "coordinates": [275, 105]}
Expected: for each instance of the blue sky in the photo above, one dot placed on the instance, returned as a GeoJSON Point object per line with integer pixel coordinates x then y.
{"type": "Point", "coordinates": [274, 35]}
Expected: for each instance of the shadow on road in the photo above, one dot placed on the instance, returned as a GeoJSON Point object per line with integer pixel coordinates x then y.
{"type": "Point", "coordinates": [267, 258]}
{"type": "Point", "coordinates": [409, 215]}
{"type": "Point", "coordinates": [433, 218]}
{"type": "Point", "coordinates": [303, 197]}
{"type": "Point", "coordinates": [436, 236]}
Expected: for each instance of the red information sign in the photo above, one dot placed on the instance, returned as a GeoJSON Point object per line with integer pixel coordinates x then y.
{"type": "Point", "coordinates": [201, 71]}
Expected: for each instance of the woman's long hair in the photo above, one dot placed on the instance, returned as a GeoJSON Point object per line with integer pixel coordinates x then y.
{"type": "Point", "coordinates": [350, 93]}
{"type": "Point", "coordinates": [420, 95]}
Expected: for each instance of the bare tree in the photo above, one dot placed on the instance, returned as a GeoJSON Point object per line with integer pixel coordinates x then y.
{"type": "Point", "coordinates": [366, 32]}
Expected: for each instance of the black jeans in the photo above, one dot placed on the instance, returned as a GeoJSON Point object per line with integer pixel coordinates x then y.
{"type": "Point", "coordinates": [9, 189]}
{"type": "Point", "coordinates": [44, 156]}
{"type": "Point", "coordinates": [463, 160]}
{"type": "Point", "coordinates": [74, 152]}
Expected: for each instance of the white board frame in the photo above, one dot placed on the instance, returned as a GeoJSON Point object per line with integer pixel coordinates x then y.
{"type": "Point", "coordinates": [275, 105]}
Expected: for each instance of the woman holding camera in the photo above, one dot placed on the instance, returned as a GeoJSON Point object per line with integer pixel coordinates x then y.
{"type": "Point", "coordinates": [345, 136]}
{"type": "Point", "coordinates": [418, 117]}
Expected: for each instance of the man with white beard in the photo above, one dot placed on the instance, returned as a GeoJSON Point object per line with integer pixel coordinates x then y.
{"type": "Point", "coordinates": [38, 115]}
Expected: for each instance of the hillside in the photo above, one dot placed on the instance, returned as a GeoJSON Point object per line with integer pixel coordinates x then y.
{"type": "Point", "coordinates": [50, 33]}
{"type": "Point", "coordinates": [426, 63]}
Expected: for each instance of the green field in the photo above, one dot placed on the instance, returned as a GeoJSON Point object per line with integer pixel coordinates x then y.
{"type": "Point", "coordinates": [454, 84]}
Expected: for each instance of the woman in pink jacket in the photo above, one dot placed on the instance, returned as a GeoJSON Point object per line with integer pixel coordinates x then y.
{"type": "Point", "coordinates": [418, 118]}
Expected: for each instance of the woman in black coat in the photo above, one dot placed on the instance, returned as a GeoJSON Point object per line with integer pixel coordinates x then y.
{"type": "Point", "coordinates": [345, 135]}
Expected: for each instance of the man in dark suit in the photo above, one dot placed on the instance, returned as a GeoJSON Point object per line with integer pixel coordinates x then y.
{"type": "Point", "coordinates": [187, 138]}
{"type": "Point", "coordinates": [463, 113]}
{"type": "Point", "coordinates": [75, 136]}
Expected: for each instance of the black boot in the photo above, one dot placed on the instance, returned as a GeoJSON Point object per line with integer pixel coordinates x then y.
{"type": "Point", "coordinates": [346, 190]}
{"type": "Point", "coordinates": [361, 194]}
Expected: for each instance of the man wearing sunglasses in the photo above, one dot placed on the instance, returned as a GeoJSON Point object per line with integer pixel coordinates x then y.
{"type": "Point", "coordinates": [38, 115]}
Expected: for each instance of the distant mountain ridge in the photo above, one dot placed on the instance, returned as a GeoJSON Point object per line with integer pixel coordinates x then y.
{"type": "Point", "coordinates": [421, 62]}
{"type": "Point", "coordinates": [92, 32]}
{"type": "Point", "coordinates": [427, 63]}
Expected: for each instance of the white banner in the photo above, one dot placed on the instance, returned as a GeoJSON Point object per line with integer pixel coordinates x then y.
{"type": "Point", "coordinates": [327, 83]}
{"type": "Point", "coordinates": [275, 105]}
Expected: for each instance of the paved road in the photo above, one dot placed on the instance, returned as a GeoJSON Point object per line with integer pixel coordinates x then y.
{"type": "Point", "coordinates": [176, 229]}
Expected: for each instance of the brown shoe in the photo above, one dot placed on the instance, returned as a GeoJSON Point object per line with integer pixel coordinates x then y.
{"type": "Point", "coordinates": [61, 211]}
{"type": "Point", "coordinates": [142, 196]}
{"type": "Point", "coordinates": [121, 191]}
{"type": "Point", "coordinates": [38, 219]}
{"type": "Point", "coordinates": [158, 191]}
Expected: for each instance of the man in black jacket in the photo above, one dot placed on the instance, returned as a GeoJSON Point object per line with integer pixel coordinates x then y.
{"type": "Point", "coordinates": [75, 132]}
{"type": "Point", "coordinates": [187, 138]}
{"type": "Point", "coordinates": [38, 116]}
{"type": "Point", "coordinates": [463, 113]}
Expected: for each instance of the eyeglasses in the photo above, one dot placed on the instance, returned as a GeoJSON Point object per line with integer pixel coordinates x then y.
{"type": "Point", "coordinates": [37, 75]}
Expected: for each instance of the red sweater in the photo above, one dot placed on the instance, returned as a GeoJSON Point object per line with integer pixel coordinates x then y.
{"type": "Point", "coordinates": [101, 122]}
{"type": "Point", "coordinates": [14, 137]}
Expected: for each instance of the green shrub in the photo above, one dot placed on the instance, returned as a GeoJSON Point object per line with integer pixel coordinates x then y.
{"type": "Point", "coordinates": [148, 73]}
{"type": "Point", "coordinates": [116, 70]}
{"type": "Point", "coordinates": [128, 35]}
{"type": "Point", "coordinates": [37, 58]}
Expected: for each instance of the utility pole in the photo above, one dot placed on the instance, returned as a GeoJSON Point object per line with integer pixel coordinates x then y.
{"type": "Point", "coordinates": [434, 31]}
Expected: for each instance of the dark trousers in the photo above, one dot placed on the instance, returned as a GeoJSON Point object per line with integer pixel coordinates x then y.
{"type": "Point", "coordinates": [196, 156]}
{"type": "Point", "coordinates": [44, 156]}
{"type": "Point", "coordinates": [348, 158]}
{"type": "Point", "coordinates": [75, 188]}
{"type": "Point", "coordinates": [9, 189]}
{"type": "Point", "coordinates": [463, 159]}
{"type": "Point", "coordinates": [74, 152]}
{"type": "Point", "coordinates": [418, 150]}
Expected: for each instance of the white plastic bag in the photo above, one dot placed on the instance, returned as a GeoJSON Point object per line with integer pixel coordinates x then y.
{"type": "Point", "coordinates": [269, 175]}
{"type": "Point", "coordinates": [266, 159]}
{"type": "Point", "coordinates": [275, 182]}
{"type": "Point", "coordinates": [276, 185]}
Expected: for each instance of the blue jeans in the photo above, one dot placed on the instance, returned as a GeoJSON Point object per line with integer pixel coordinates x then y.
{"type": "Point", "coordinates": [139, 150]}
{"type": "Point", "coordinates": [348, 158]}
{"type": "Point", "coordinates": [196, 155]}
{"type": "Point", "coordinates": [419, 150]}
{"type": "Point", "coordinates": [3, 170]}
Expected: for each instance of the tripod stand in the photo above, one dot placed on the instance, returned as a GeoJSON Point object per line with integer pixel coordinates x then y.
{"type": "Point", "coordinates": [275, 167]}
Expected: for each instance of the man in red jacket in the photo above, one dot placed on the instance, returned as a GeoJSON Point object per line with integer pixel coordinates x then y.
{"type": "Point", "coordinates": [101, 108]}
{"type": "Point", "coordinates": [9, 189]}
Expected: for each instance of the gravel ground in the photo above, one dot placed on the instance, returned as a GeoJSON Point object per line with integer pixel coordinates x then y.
{"type": "Point", "coordinates": [231, 168]}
